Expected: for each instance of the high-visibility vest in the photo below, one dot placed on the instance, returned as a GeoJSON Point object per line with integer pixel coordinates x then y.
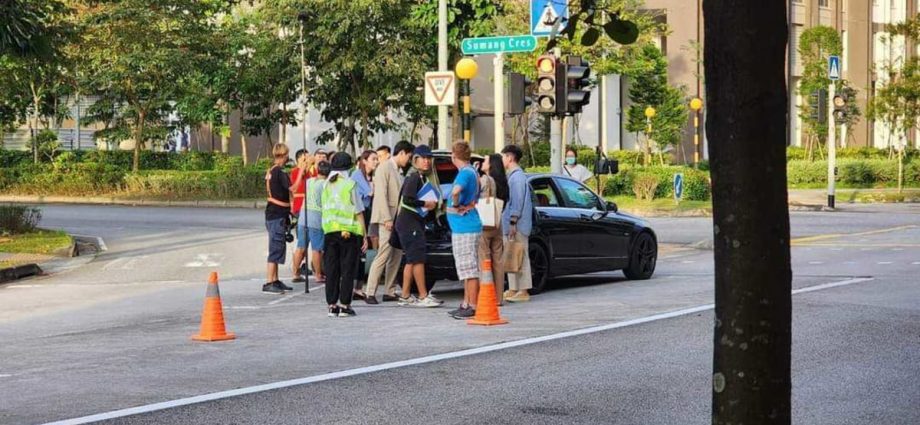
{"type": "Point", "coordinates": [338, 208]}
{"type": "Point", "coordinates": [312, 195]}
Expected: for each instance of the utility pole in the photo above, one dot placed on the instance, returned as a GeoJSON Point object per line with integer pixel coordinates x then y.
{"type": "Point", "coordinates": [498, 91]}
{"type": "Point", "coordinates": [303, 81]}
{"type": "Point", "coordinates": [555, 129]}
{"type": "Point", "coordinates": [442, 66]}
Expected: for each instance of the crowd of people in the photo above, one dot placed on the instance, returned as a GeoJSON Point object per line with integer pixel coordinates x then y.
{"type": "Point", "coordinates": [364, 218]}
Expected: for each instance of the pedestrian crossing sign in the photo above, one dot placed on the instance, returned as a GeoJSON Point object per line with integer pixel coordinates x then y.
{"type": "Point", "coordinates": [545, 13]}
{"type": "Point", "coordinates": [833, 68]}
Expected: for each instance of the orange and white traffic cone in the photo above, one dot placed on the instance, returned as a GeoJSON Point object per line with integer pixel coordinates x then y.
{"type": "Point", "coordinates": [212, 317]}
{"type": "Point", "coordinates": [487, 313]}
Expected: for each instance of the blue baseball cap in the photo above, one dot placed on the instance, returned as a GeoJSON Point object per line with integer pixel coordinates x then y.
{"type": "Point", "coordinates": [423, 151]}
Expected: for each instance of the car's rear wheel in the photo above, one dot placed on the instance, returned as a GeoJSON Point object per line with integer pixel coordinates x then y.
{"type": "Point", "coordinates": [643, 258]}
{"type": "Point", "coordinates": [539, 267]}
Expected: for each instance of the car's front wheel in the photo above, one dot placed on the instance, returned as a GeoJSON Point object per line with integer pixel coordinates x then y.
{"type": "Point", "coordinates": [643, 258]}
{"type": "Point", "coordinates": [539, 267]}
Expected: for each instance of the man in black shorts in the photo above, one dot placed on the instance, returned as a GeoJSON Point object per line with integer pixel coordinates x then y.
{"type": "Point", "coordinates": [277, 218]}
{"type": "Point", "coordinates": [417, 199]}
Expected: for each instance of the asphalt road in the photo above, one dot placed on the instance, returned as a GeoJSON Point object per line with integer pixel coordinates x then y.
{"type": "Point", "coordinates": [114, 333]}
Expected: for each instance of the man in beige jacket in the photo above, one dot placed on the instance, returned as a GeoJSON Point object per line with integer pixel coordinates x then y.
{"type": "Point", "coordinates": [387, 183]}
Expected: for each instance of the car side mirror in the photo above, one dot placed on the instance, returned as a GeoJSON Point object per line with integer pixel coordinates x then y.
{"type": "Point", "coordinates": [612, 207]}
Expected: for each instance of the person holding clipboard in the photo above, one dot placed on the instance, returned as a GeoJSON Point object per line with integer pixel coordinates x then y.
{"type": "Point", "coordinates": [418, 198]}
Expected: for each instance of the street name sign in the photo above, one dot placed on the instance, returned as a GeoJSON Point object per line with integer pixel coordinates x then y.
{"type": "Point", "coordinates": [440, 89]}
{"type": "Point", "coordinates": [833, 68]}
{"type": "Point", "coordinates": [543, 14]}
{"type": "Point", "coordinates": [504, 44]}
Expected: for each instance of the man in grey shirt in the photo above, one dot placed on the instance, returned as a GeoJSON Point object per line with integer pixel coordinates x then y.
{"type": "Point", "coordinates": [517, 222]}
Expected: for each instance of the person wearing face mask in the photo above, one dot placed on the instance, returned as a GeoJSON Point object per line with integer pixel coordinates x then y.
{"type": "Point", "coordinates": [573, 169]}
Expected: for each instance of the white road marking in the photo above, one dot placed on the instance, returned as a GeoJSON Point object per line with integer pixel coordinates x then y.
{"type": "Point", "coordinates": [897, 249]}
{"type": "Point", "coordinates": [836, 249]}
{"type": "Point", "coordinates": [411, 362]}
{"type": "Point", "coordinates": [916, 263]}
{"type": "Point", "coordinates": [865, 249]}
{"type": "Point", "coordinates": [4, 375]}
{"type": "Point", "coordinates": [22, 286]}
{"type": "Point", "coordinates": [114, 263]}
{"type": "Point", "coordinates": [849, 262]}
{"type": "Point", "coordinates": [815, 262]}
{"type": "Point", "coordinates": [283, 299]}
{"type": "Point", "coordinates": [206, 260]}
{"type": "Point", "coordinates": [688, 261]}
{"type": "Point", "coordinates": [884, 263]}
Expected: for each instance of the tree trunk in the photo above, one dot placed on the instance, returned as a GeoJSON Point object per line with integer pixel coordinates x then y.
{"type": "Point", "coordinates": [900, 170]}
{"type": "Point", "coordinates": [282, 137]}
{"type": "Point", "coordinates": [745, 48]}
{"type": "Point", "coordinates": [36, 104]}
{"type": "Point", "coordinates": [138, 138]}
{"type": "Point", "coordinates": [365, 133]}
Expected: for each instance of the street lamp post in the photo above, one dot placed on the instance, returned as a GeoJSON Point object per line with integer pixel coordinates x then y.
{"type": "Point", "coordinates": [466, 70]}
{"type": "Point", "coordinates": [696, 104]}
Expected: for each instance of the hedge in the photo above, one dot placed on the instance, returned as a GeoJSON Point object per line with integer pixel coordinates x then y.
{"type": "Point", "coordinates": [696, 182]}
{"type": "Point", "coordinates": [857, 173]}
{"type": "Point", "coordinates": [794, 153]}
{"type": "Point", "coordinates": [197, 184]}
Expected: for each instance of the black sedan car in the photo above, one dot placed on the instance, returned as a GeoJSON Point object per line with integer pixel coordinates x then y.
{"type": "Point", "coordinates": [575, 232]}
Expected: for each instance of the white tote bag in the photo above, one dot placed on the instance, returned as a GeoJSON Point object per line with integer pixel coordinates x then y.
{"type": "Point", "coordinates": [490, 209]}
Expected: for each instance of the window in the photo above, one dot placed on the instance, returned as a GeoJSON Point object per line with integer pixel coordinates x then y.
{"type": "Point", "coordinates": [822, 3]}
{"type": "Point", "coordinates": [576, 195]}
{"type": "Point", "coordinates": [544, 194]}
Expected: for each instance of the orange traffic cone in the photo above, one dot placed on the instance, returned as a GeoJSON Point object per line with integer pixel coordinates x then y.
{"type": "Point", "coordinates": [212, 317]}
{"type": "Point", "coordinates": [487, 309]}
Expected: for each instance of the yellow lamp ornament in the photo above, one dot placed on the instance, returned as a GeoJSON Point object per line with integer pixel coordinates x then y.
{"type": "Point", "coordinates": [466, 69]}
{"type": "Point", "coordinates": [650, 112]}
{"type": "Point", "coordinates": [696, 104]}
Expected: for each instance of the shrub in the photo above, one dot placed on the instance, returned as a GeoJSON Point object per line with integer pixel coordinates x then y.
{"type": "Point", "coordinates": [696, 183]}
{"type": "Point", "coordinates": [645, 186]}
{"type": "Point", "coordinates": [190, 161]}
{"type": "Point", "coordinates": [858, 173]}
{"type": "Point", "coordinates": [16, 219]}
{"type": "Point", "coordinates": [9, 159]}
{"type": "Point", "coordinates": [197, 184]}
{"type": "Point", "coordinates": [806, 172]}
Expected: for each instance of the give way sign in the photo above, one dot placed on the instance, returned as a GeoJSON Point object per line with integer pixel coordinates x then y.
{"type": "Point", "coordinates": [440, 89]}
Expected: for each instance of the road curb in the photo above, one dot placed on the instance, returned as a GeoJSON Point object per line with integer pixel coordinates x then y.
{"type": "Point", "coordinates": [102, 200]}
{"type": "Point", "coordinates": [10, 274]}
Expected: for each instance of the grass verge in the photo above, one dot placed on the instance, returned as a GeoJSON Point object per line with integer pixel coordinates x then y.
{"type": "Point", "coordinates": [662, 206]}
{"type": "Point", "coordinates": [877, 197]}
{"type": "Point", "coordinates": [38, 242]}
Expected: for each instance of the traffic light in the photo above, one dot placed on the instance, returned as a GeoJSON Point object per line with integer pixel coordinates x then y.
{"type": "Point", "coordinates": [572, 95]}
{"type": "Point", "coordinates": [840, 107]}
{"type": "Point", "coordinates": [518, 95]}
{"type": "Point", "coordinates": [817, 105]}
{"type": "Point", "coordinates": [546, 84]}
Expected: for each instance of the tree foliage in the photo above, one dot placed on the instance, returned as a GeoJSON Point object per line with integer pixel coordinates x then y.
{"type": "Point", "coordinates": [650, 87]}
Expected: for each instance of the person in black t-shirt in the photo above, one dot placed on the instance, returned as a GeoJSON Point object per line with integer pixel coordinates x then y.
{"type": "Point", "coordinates": [277, 218]}
{"type": "Point", "coordinates": [410, 229]}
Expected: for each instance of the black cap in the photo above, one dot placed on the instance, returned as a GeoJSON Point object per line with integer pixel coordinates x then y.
{"type": "Point", "coordinates": [423, 151]}
{"type": "Point", "coordinates": [341, 161]}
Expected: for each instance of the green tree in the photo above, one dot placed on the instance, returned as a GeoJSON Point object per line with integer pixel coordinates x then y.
{"type": "Point", "coordinates": [136, 54]}
{"type": "Point", "coordinates": [897, 101]}
{"type": "Point", "coordinates": [365, 60]}
{"type": "Point", "coordinates": [650, 87]}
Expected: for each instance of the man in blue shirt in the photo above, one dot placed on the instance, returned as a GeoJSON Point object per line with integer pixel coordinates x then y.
{"type": "Point", "coordinates": [517, 222]}
{"type": "Point", "coordinates": [465, 227]}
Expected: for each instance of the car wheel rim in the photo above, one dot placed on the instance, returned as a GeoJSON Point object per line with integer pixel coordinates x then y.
{"type": "Point", "coordinates": [647, 255]}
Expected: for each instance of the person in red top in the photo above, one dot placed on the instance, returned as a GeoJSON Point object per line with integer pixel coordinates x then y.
{"type": "Point", "coordinates": [298, 190]}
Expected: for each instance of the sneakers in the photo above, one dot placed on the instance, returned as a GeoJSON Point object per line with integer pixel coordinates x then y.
{"type": "Point", "coordinates": [519, 297]}
{"type": "Point", "coordinates": [371, 300]}
{"type": "Point", "coordinates": [411, 301]}
{"type": "Point", "coordinates": [429, 302]}
{"type": "Point", "coordinates": [333, 311]}
{"type": "Point", "coordinates": [358, 295]}
{"type": "Point", "coordinates": [273, 288]}
{"type": "Point", "coordinates": [463, 313]}
{"type": "Point", "coordinates": [347, 312]}
{"type": "Point", "coordinates": [298, 279]}
{"type": "Point", "coordinates": [390, 298]}
{"type": "Point", "coordinates": [281, 285]}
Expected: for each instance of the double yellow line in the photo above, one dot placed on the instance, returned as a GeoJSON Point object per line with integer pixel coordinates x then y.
{"type": "Point", "coordinates": [809, 241]}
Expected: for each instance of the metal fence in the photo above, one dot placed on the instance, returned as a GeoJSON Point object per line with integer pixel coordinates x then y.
{"type": "Point", "coordinates": [69, 138]}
